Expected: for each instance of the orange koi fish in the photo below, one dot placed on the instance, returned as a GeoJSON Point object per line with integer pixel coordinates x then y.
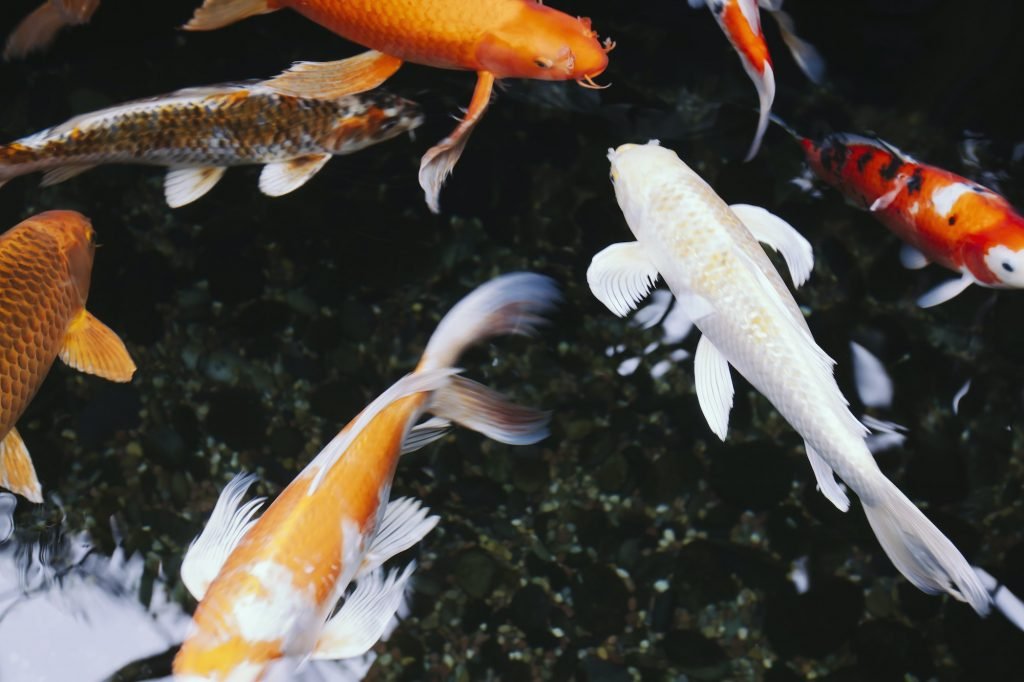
{"type": "Point", "coordinates": [38, 29]}
{"type": "Point", "coordinates": [495, 38]}
{"type": "Point", "coordinates": [741, 22]}
{"type": "Point", "coordinates": [45, 267]}
{"type": "Point", "coordinates": [200, 132]}
{"type": "Point", "coordinates": [268, 587]}
{"type": "Point", "coordinates": [942, 217]}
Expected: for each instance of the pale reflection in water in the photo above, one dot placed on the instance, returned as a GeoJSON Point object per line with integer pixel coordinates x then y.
{"type": "Point", "coordinates": [661, 309]}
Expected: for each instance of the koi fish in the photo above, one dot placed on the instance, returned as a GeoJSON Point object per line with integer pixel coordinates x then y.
{"type": "Point", "coordinates": [38, 29]}
{"type": "Point", "coordinates": [494, 38]}
{"type": "Point", "coordinates": [45, 267]}
{"type": "Point", "coordinates": [709, 255]}
{"type": "Point", "coordinates": [199, 132]}
{"type": "Point", "coordinates": [267, 587]}
{"type": "Point", "coordinates": [941, 217]}
{"type": "Point", "coordinates": [741, 22]}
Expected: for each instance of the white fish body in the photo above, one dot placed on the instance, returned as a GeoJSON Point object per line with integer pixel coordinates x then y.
{"type": "Point", "coordinates": [708, 254]}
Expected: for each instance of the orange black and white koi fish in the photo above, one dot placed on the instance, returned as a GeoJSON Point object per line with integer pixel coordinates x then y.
{"type": "Point", "coordinates": [38, 29]}
{"type": "Point", "coordinates": [942, 217]}
{"type": "Point", "coordinates": [268, 587]}
{"type": "Point", "coordinates": [45, 268]}
{"type": "Point", "coordinates": [741, 22]}
{"type": "Point", "coordinates": [199, 132]}
{"type": "Point", "coordinates": [494, 38]}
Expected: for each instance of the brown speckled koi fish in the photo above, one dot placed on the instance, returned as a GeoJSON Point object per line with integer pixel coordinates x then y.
{"type": "Point", "coordinates": [942, 217]}
{"type": "Point", "coordinates": [38, 29]}
{"type": "Point", "coordinates": [45, 267]}
{"type": "Point", "coordinates": [199, 132]}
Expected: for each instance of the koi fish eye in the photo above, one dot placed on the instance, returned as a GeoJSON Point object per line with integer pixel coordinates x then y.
{"type": "Point", "coordinates": [1007, 265]}
{"type": "Point", "coordinates": [543, 62]}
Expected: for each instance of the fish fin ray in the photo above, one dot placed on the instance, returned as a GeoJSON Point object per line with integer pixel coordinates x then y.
{"type": "Point", "coordinates": [439, 161]}
{"type": "Point", "coordinates": [912, 259]}
{"type": "Point", "coordinates": [405, 523]}
{"type": "Point", "coordinates": [804, 54]}
{"type": "Point", "coordinates": [775, 232]}
{"type": "Point", "coordinates": [184, 185]}
{"type": "Point", "coordinates": [946, 291]}
{"type": "Point", "coordinates": [282, 177]}
{"type": "Point", "coordinates": [58, 175]}
{"type": "Point", "coordinates": [424, 434]}
{"type": "Point", "coordinates": [488, 412]}
{"type": "Point", "coordinates": [331, 80]}
{"type": "Point", "coordinates": [17, 473]}
{"type": "Point", "coordinates": [92, 347]}
{"type": "Point", "coordinates": [216, 14]}
{"type": "Point", "coordinates": [621, 275]}
{"type": "Point", "coordinates": [364, 616]}
{"type": "Point", "coordinates": [714, 386]}
{"type": "Point", "coordinates": [228, 524]}
{"type": "Point", "coordinates": [826, 479]}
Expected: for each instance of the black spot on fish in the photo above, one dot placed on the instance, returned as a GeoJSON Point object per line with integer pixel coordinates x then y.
{"type": "Point", "coordinates": [915, 182]}
{"type": "Point", "coordinates": [718, 6]}
{"type": "Point", "coordinates": [834, 155]}
{"type": "Point", "coordinates": [979, 189]}
{"type": "Point", "coordinates": [862, 162]}
{"type": "Point", "coordinates": [889, 171]}
{"type": "Point", "coordinates": [952, 220]}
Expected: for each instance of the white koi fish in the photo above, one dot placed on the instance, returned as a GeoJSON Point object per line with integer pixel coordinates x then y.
{"type": "Point", "coordinates": [709, 255]}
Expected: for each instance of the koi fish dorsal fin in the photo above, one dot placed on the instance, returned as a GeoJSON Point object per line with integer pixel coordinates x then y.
{"type": "Point", "coordinates": [228, 524]}
{"type": "Point", "coordinates": [405, 523]}
{"type": "Point", "coordinates": [216, 14]}
{"type": "Point", "coordinates": [876, 142]}
{"type": "Point", "coordinates": [91, 347]}
{"type": "Point", "coordinates": [622, 275]}
{"type": "Point", "coordinates": [16, 471]}
{"type": "Point", "coordinates": [775, 232]}
{"type": "Point", "coordinates": [331, 80]}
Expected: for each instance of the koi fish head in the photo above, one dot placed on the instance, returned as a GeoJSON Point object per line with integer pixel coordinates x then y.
{"type": "Point", "coordinates": [76, 241]}
{"type": "Point", "coordinates": [545, 44]}
{"type": "Point", "coordinates": [632, 166]}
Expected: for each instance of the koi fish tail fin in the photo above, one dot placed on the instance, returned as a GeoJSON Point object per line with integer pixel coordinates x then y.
{"type": "Point", "coordinates": [921, 552]}
{"type": "Point", "coordinates": [216, 14]}
{"type": "Point", "coordinates": [806, 56]}
{"type": "Point", "coordinates": [765, 84]}
{"type": "Point", "coordinates": [38, 29]}
{"type": "Point", "coordinates": [510, 304]}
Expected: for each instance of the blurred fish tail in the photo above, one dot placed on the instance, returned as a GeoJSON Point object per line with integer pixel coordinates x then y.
{"type": "Point", "coordinates": [216, 14]}
{"type": "Point", "coordinates": [38, 29]}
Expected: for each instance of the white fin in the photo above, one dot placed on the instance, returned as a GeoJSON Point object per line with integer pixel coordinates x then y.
{"type": "Point", "coordinates": [184, 185]}
{"type": "Point", "coordinates": [364, 616]}
{"type": "Point", "coordinates": [885, 435]}
{"type": "Point", "coordinates": [764, 83]}
{"type": "Point", "coordinates": [806, 56]}
{"type": "Point", "coordinates": [488, 412]}
{"type": "Point", "coordinates": [621, 275]}
{"type": "Point", "coordinates": [417, 382]}
{"type": "Point", "coordinates": [510, 304]}
{"type": "Point", "coordinates": [911, 258]}
{"type": "Point", "coordinates": [944, 292]}
{"type": "Point", "coordinates": [920, 551]}
{"type": "Point", "coordinates": [228, 524]}
{"type": "Point", "coordinates": [405, 523]}
{"type": "Point", "coordinates": [714, 386]}
{"type": "Point", "coordinates": [874, 386]}
{"type": "Point", "coordinates": [826, 479]}
{"type": "Point", "coordinates": [282, 177]}
{"type": "Point", "coordinates": [775, 232]}
{"type": "Point", "coordinates": [1007, 602]}
{"type": "Point", "coordinates": [424, 434]}
{"type": "Point", "coordinates": [960, 396]}
{"type": "Point", "coordinates": [697, 3]}
{"type": "Point", "coordinates": [57, 175]}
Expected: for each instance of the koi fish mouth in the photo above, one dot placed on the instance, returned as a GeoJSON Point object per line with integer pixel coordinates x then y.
{"type": "Point", "coordinates": [587, 81]}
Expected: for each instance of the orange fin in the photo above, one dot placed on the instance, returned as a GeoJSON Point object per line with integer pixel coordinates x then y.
{"type": "Point", "coordinates": [90, 346]}
{"type": "Point", "coordinates": [439, 161]}
{"type": "Point", "coordinates": [16, 471]}
{"type": "Point", "coordinates": [219, 13]}
{"type": "Point", "coordinates": [330, 80]}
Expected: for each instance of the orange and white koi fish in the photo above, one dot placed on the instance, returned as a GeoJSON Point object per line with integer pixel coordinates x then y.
{"type": "Point", "coordinates": [38, 29]}
{"type": "Point", "coordinates": [494, 38]}
{"type": "Point", "coordinates": [45, 267]}
{"type": "Point", "coordinates": [199, 132]}
{"type": "Point", "coordinates": [267, 587]}
{"type": "Point", "coordinates": [942, 217]}
{"type": "Point", "coordinates": [741, 22]}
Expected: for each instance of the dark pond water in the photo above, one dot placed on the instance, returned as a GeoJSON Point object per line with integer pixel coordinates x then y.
{"type": "Point", "coordinates": [631, 544]}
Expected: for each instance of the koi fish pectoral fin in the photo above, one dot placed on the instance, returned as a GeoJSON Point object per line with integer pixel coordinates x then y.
{"type": "Point", "coordinates": [944, 292]}
{"type": "Point", "coordinates": [92, 347]}
{"type": "Point", "coordinates": [826, 480]}
{"type": "Point", "coordinates": [439, 161]}
{"type": "Point", "coordinates": [422, 435]}
{"type": "Point", "coordinates": [714, 386]}
{"type": "Point", "coordinates": [331, 80]}
{"type": "Point", "coordinates": [775, 232]}
{"type": "Point", "coordinates": [17, 473]}
{"type": "Point", "coordinates": [911, 258]}
{"type": "Point", "coordinates": [278, 179]}
{"type": "Point", "coordinates": [806, 55]}
{"type": "Point", "coordinates": [621, 276]}
{"type": "Point", "coordinates": [219, 13]}
{"type": "Point", "coordinates": [488, 412]}
{"type": "Point", "coordinates": [364, 617]}
{"type": "Point", "coordinates": [405, 523]}
{"type": "Point", "coordinates": [228, 524]}
{"type": "Point", "coordinates": [184, 185]}
{"type": "Point", "coordinates": [58, 175]}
